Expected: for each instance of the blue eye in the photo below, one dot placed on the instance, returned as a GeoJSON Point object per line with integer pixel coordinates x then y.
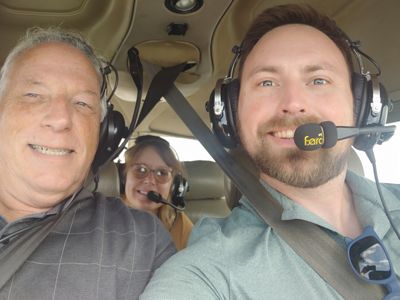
{"type": "Point", "coordinates": [320, 81]}
{"type": "Point", "coordinates": [32, 95]}
{"type": "Point", "coordinates": [267, 83]}
{"type": "Point", "coordinates": [83, 104]}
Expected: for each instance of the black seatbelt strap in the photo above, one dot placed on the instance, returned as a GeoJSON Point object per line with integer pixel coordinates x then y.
{"type": "Point", "coordinates": [158, 88]}
{"type": "Point", "coordinates": [20, 248]}
{"type": "Point", "coordinates": [308, 240]}
{"type": "Point", "coordinates": [18, 251]}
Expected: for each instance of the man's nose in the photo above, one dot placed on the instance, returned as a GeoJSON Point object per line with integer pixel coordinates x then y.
{"type": "Point", "coordinates": [58, 115]}
{"type": "Point", "coordinates": [294, 99]}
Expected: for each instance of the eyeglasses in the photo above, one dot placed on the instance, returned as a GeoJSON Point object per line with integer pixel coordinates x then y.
{"type": "Point", "coordinates": [162, 175]}
{"type": "Point", "coordinates": [370, 261]}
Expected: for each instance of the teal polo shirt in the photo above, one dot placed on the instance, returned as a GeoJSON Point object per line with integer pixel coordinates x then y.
{"type": "Point", "coordinates": [241, 257]}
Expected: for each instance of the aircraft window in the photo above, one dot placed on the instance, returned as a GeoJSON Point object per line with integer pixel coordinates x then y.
{"type": "Point", "coordinates": [121, 156]}
{"type": "Point", "coordinates": [387, 159]}
{"type": "Point", "coordinates": [188, 149]}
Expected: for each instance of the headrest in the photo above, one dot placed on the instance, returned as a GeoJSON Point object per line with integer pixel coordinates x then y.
{"type": "Point", "coordinates": [232, 193]}
{"type": "Point", "coordinates": [108, 180]}
{"type": "Point", "coordinates": [206, 180]}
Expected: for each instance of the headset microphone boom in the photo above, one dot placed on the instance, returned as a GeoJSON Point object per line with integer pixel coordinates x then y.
{"type": "Point", "coordinates": [157, 198]}
{"type": "Point", "coordinates": [313, 136]}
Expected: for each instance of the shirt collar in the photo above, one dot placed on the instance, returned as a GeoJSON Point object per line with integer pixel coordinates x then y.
{"type": "Point", "coordinates": [368, 204]}
{"type": "Point", "coordinates": [16, 225]}
{"type": "Point", "coordinates": [80, 194]}
{"type": "Point", "coordinates": [366, 199]}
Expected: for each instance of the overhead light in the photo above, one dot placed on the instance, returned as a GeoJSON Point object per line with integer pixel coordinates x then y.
{"type": "Point", "coordinates": [183, 6]}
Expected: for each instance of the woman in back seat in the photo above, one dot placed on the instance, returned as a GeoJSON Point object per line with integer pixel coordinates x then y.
{"type": "Point", "coordinates": [152, 165]}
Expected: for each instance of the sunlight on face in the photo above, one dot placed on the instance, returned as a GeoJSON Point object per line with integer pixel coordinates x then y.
{"type": "Point", "coordinates": [50, 115]}
{"type": "Point", "coordinates": [282, 89]}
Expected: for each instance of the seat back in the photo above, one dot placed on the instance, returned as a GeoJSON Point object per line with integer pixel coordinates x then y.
{"type": "Point", "coordinates": [232, 193]}
{"type": "Point", "coordinates": [206, 190]}
{"type": "Point", "coordinates": [109, 181]}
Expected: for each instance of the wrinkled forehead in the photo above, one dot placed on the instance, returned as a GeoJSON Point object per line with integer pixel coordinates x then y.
{"type": "Point", "coordinates": [60, 52]}
{"type": "Point", "coordinates": [52, 52]}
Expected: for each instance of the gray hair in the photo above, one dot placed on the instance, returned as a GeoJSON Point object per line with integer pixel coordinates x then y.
{"type": "Point", "coordinates": [35, 36]}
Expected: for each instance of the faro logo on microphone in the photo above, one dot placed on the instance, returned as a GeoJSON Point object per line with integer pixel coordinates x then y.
{"type": "Point", "coordinates": [313, 141]}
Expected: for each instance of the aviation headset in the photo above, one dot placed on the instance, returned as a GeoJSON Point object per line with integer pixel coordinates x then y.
{"type": "Point", "coordinates": [179, 185]}
{"type": "Point", "coordinates": [112, 128]}
{"type": "Point", "coordinates": [370, 101]}
{"type": "Point", "coordinates": [179, 188]}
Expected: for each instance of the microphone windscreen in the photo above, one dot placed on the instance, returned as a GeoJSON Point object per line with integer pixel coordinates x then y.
{"type": "Point", "coordinates": [153, 196]}
{"type": "Point", "coordinates": [330, 134]}
{"type": "Point", "coordinates": [309, 137]}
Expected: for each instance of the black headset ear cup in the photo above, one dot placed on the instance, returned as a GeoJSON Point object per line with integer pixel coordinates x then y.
{"type": "Point", "coordinates": [232, 92]}
{"type": "Point", "coordinates": [112, 131]}
{"type": "Point", "coordinates": [224, 124]}
{"type": "Point", "coordinates": [364, 91]}
{"type": "Point", "coordinates": [178, 190]}
{"type": "Point", "coordinates": [359, 88]}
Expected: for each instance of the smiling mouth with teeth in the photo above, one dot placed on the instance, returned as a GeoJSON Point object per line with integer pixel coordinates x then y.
{"type": "Point", "coordinates": [285, 134]}
{"type": "Point", "coordinates": [50, 151]}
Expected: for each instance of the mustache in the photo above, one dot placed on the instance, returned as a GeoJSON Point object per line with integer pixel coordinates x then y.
{"type": "Point", "coordinates": [280, 122]}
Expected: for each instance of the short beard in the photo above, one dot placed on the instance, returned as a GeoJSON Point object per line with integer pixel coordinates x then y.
{"type": "Point", "coordinates": [304, 169]}
{"type": "Point", "coordinates": [298, 169]}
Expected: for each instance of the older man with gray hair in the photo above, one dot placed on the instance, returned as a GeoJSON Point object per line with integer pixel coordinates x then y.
{"type": "Point", "coordinates": [80, 244]}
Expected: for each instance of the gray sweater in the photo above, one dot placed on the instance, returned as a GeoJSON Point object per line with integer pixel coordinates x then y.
{"type": "Point", "coordinates": [101, 249]}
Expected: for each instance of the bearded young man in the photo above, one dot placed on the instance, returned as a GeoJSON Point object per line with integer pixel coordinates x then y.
{"type": "Point", "coordinates": [295, 68]}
